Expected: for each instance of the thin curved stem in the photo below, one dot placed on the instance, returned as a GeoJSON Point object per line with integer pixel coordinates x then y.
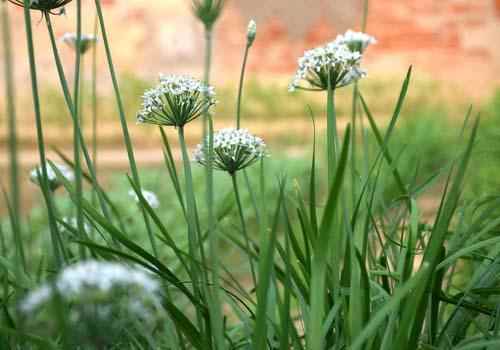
{"type": "Point", "coordinates": [240, 88]}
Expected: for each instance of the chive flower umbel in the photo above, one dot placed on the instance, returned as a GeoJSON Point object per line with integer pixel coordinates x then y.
{"type": "Point", "coordinates": [333, 64]}
{"type": "Point", "coordinates": [233, 150]}
{"type": "Point", "coordinates": [356, 41]}
{"type": "Point", "coordinates": [48, 6]}
{"type": "Point", "coordinates": [86, 41]}
{"type": "Point", "coordinates": [102, 300]}
{"type": "Point", "coordinates": [149, 196]}
{"type": "Point", "coordinates": [54, 181]}
{"type": "Point", "coordinates": [175, 101]}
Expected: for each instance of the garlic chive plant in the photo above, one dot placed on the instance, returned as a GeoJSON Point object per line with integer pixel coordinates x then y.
{"type": "Point", "coordinates": [356, 41]}
{"type": "Point", "coordinates": [175, 101]}
{"type": "Point", "coordinates": [87, 41]}
{"type": "Point", "coordinates": [233, 150]}
{"type": "Point", "coordinates": [47, 6]}
{"type": "Point", "coordinates": [102, 303]}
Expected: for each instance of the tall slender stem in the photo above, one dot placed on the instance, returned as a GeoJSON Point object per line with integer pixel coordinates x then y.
{"type": "Point", "coordinates": [15, 186]}
{"type": "Point", "coordinates": [40, 138]}
{"type": "Point", "coordinates": [191, 218]}
{"type": "Point", "coordinates": [243, 227]}
{"type": "Point", "coordinates": [94, 99]}
{"type": "Point", "coordinates": [331, 134]}
{"type": "Point", "coordinates": [123, 119]}
{"type": "Point", "coordinates": [240, 88]}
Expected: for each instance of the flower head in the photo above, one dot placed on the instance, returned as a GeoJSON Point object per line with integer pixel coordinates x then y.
{"type": "Point", "coordinates": [149, 196]}
{"type": "Point", "coordinates": [54, 181]}
{"type": "Point", "coordinates": [356, 41]}
{"type": "Point", "coordinates": [208, 11]}
{"type": "Point", "coordinates": [333, 64]}
{"type": "Point", "coordinates": [48, 6]}
{"type": "Point", "coordinates": [233, 150]}
{"type": "Point", "coordinates": [102, 300]}
{"type": "Point", "coordinates": [86, 41]}
{"type": "Point", "coordinates": [251, 32]}
{"type": "Point", "coordinates": [175, 101]}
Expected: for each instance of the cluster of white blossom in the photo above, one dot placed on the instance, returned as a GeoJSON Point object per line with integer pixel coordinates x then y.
{"type": "Point", "coordinates": [86, 41]}
{"type": "Point", "coordinates": [335, 64]}
{"type": "Point", "coordinates": [44, 5]}
{"type": "Point", "coordinates": [36, 174]}
{"type": "Point", "coordinates": [150, 197]}
{"type": "Point", "coordinates": [233, 149]}
{"type": "Point", "coordinates": [77, 281]}
{"type": "Point", "coordinates": [356, 41]}
{"type": "Point", "coordinates": [175, 101]}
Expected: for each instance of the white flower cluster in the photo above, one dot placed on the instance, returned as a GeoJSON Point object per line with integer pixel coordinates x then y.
{"type": "Point", "coordinates": [86, 41]}
{"type": "Point", "coordinates": [337, 63]}
{"type": "Point", "coordinates": [150, 197]}
{"type": "Point", "coordinates": [176, 100]}
{"type": "Point", "coordinates": [54, 182]}
{"type": "Point", "coordinates": [356, 41]}
{"type": "Point", "coordinates": [233, 149]}
{"type": "Point", "coordinates": [91, 276]}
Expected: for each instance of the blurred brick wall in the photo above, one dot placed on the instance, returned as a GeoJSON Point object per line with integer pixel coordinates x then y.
{"type": "Point", "coordinates": [447, 39]}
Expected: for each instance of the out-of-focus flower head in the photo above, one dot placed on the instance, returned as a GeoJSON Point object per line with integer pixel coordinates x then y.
{"type": "Point", "coordinates": [333, 64]}
{"type": "Point", "coordinates": [102, 300]}
{"type": "Point", "coordinates": [150, 197]}
{"type": "Point", "coordinates": [86, 41]}
{"type": "Point", "coordinates": [233, 150]}
{"type": "Point", "coordinates": [175, 101]}
{"type": "Point", "coordinates": [73, 223]}
{"type": "Point", "coordinates": [251, 32]}
{"type": "Point", "coordinates": [208, 11]}
{"type": "Point", "coordinates": [54, 181]}
{"type": "Point", "coordinates": [49, 6]}
{"type": "Point", "coordinates": [356, 41]}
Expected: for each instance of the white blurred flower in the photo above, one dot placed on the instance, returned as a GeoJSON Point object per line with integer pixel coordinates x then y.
{"type": "Point", "coordinates": [86, 41]}
{"type": "Point", "coordinates": [356, 41]}
{"type": "Point", "coordinates": [150, 197]}
{"type": "Point", "coordinates": [54, 182]}
{"type": "Point", "coordinates": [175, 101]}
{"type": "Point", "coordinates": [75, 281]}
{"type": "Point", "coordinates": [233, 150]}
{"type": "Point", "coordinates": [73, 223]}
{"type": "Point", "coordinates": [332, 63]}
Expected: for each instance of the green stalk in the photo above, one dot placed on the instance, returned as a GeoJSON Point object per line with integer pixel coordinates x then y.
{"type": "Point", "coordinates": [243, 227]}
{"type": "Point", "coordinates": [331, 133]}
{"type": "Point", "coordinates": [40, 138]}
{"type": "Point", "coordinates": [123, 119]}
{"type": "Point", "coordinates": [240, 88]}
{"type": "Point", "coordinates": [69, 103]}
{"type": "Point", "coordinates": [94, 99]}
{"type": "Point", "coordinates": [216, 319]}
{"type": "Point", "coordinates": [194, 243]}
{"type": "Point", "coordinates": [15, 185]}
{"type": "Point", "coordinates": [76, 140]}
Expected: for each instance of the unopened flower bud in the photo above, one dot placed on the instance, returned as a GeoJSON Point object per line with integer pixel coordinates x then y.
{"type": "Point", "coordinates": [251, 32]}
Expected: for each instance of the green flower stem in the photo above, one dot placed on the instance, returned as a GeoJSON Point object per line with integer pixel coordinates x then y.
{"type": "Point", "coordinates": [240, 88]}
{"type": "Point", "coordinates": [354, 115]}
{"type": "Point", "coordinates": [331, 134]}
{"type": "Point", "coordinates": [15, 186]}
{"type": "Point", "coordinates": [123, 119]}
{"type": "Point", "coordinates": [243, 227]}
{"type": "Point", "coordinates": [76, 140]}
{"type": "Point", "coordinates": [54, 231]}
{"type": "Point", "coordinates": [216, 319]}
{"type": "Point", "coordinates": [195, 245]}
{"type": "Point", "coordinates": [94, 100]}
